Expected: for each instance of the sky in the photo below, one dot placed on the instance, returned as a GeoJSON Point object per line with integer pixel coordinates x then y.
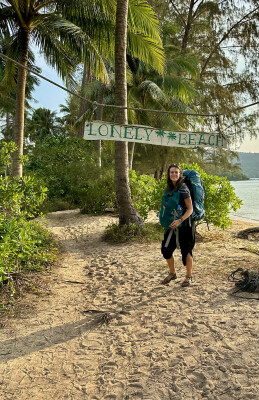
{"type": "Point", "coordinates": [50, 96]}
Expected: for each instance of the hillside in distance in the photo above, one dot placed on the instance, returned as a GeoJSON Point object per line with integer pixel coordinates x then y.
{"type": "Point", "coordinates": [249, 164]}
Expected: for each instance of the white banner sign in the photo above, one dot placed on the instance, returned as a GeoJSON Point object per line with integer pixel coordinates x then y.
{"type": "Point", "coordinates": [99, 130]}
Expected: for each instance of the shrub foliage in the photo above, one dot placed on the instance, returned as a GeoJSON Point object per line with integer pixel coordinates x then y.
{"type": "Point", "coordinates": [24, 244]}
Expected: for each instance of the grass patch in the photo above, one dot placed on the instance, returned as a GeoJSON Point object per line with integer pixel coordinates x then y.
{"type": "Point", "coordinates": [252, 249]}
{"type": "Point", "coordinates": [17, 297]}
{"type": "Point", "coordinates": [149, 232]}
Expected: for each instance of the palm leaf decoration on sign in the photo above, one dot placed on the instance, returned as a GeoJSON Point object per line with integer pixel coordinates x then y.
{"type": "Point", "coordinates": [171, 136]}
{"type": "Point", "coordinates": [160, 134]}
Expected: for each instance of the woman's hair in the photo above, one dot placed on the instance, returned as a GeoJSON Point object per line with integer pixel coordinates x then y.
{"type": "Point", "coordinates": [178, 184]}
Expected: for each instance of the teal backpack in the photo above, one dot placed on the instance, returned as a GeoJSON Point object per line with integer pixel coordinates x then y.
{"type": "Point", "coordinates": [170, 208]}
{"type": "Point", "coordinates": [195, 184]}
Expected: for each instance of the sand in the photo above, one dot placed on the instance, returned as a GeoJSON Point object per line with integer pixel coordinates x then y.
{"type": "Point", "coordinates": [106, 329]}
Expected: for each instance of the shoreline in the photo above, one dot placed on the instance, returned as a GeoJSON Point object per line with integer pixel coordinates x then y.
{"type": "Point", "coordinates": [243, 219]}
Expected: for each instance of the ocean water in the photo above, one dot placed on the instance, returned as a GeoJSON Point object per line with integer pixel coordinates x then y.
{"type": "Point", "coordinates": [248, 192]}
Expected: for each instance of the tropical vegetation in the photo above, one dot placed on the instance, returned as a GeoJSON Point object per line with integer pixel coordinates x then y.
{"type": "Point", "coordinates": [24, 244]}
{"type": "Point", "coordinates": [196, 60]}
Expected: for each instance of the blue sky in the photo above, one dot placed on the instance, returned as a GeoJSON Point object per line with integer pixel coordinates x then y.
{"type": "Point", "coordinates": [46, 94]}
{"type": "Point", "coordinates": [50, 96]}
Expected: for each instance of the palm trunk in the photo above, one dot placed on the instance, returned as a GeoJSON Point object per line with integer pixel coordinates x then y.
{"type": "Point", "coordinates": [24, 36]}
{"type": "Point", "coordinates": [127, 213]}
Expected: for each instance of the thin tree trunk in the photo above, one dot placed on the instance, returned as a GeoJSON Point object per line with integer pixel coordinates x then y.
{"type": "Point", "coordinates": [127, 213]}
{"type": "Point", "coordinates": [7, 119]}
{"type": "Point", "coordinates": [99, 116]}
{"type": "Point", "coordinates": [7, 169]}
{"type": "Point", "coordinates": [24, 36]}
{"type": "Point", "coordinates": [83, 103]}
{"type": "Point", "coordinates": [188, 27]}
{"type": "Point", "coordinates": [131, 156]}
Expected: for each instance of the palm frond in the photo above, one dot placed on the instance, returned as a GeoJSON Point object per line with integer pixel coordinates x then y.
{"type": "Point", "coordinates": [7, 20]}
{"type": "Point", "coordinates": [177, 87]}
{"type": "Point", "coordinates": [81, 12]}
{"type": "Point", "coordinates": [154, 91]}
{"type": "Point", "coordinates": [70, 47]}
{"type": "Point", "coordinates": [146, 49]}
{"type": "Point", "coordinates": [183, 64]}
{"type": "Point", "coordinates": [141, 17]}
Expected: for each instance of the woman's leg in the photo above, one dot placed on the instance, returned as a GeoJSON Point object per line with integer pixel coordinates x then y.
{"type": "Point", "coordinates": [172, 274]}
{"type": "Point", "coordinates": [188, 265]}
{"type": "Point", "coordinates": [171, 266]}
{"type": "Point", "coordinates": [187, 242]}
{"type": "Point", "coordinates": [168, 255]}
{"type": "Point", "coordinates": [188, 276]}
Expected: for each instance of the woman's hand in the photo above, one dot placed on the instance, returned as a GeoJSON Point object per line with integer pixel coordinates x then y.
{"type": "Point", "coordinates": [175, 223]}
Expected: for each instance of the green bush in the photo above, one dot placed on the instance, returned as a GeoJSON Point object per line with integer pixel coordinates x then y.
{"type": "Point", "coordinates": [145, 192]}
{"type": "Point", "coordinates": [100, 194]}
{"type": "Point", "coordinates": [220, 199]}
{"type": "Point", "coordinates": [24, 245]}
{"type": "Point", "coordinates": [21, 196]}
{"type": "Point", "coordinates": [6, 149]}
{"type": "Point", "coordinates": [66, 166]}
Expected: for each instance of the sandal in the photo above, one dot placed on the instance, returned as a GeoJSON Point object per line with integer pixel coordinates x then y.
{"type": "Point", "coordinates": [169, 278]}
{"type": "Point", "coordinates": [186, 282]}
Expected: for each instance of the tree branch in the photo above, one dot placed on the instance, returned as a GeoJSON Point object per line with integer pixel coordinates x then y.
{"type": "Point", "coordinates": [224, 37]}
{"type": "Point", "coordinates": [177, 11]}
{"type": "Point", "coordinates": [195, 12]}
{"type": "Point", "coordinates": [188, 26]}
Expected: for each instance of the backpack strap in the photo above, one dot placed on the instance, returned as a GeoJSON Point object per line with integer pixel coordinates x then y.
{"type": "Point", "coordinates": [169, 238]}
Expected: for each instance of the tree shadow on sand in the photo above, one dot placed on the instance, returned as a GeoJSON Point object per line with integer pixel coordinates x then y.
{"type": "Point", "coordinates": [22, 346]}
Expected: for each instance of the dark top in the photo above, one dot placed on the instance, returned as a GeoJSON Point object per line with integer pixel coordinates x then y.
{"type": "Point", "coordinates": [184, 194]}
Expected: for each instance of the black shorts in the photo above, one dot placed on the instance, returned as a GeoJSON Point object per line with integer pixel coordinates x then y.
{"type": "Point", "coordinates": [186, 242]}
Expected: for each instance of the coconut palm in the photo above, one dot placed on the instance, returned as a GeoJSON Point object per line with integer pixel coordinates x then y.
{"type": "Point", "coordinates": [67, 33]}
{"type": "Point", "coordinates": [127, 213]}
{"type": "Point", "coordinates": [8, 78]}
{"type": "Point", "coordinates": [43, 122]}
{"type": "Point", "coordinates": [64, 31]}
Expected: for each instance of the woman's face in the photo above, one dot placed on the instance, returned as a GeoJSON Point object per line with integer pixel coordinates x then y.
{"type": "Point", "coordinates": [174, 174]}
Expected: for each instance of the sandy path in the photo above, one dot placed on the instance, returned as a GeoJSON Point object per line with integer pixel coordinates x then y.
{"type": "Point", "coordinates": [162, 343]}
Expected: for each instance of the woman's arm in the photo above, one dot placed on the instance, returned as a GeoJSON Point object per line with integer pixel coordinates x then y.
{"type": "Point", "coordinates": [188, 212]}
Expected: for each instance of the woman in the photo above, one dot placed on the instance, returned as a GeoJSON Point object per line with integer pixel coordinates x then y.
{"type": "Point", "coordinates": [186, 231]}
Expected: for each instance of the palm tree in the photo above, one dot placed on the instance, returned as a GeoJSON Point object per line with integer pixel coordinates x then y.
{"type": "Point", "coordinates": [43, 122]}
{"type": "Point", "coordinates": [66, 32]}
{"type": "Point", "coordinates": [143, 42]}
{"type": "Point", "coordinates": [127, 213]}
{"type": "Point", "coordinates": [8, 78]}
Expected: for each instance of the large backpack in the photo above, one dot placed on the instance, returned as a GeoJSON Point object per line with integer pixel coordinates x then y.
{"type": "Point", "coordinates": [170, 201]}
{"type": "Point", "coordinates": [169, 208]}
{"type": "Point", "coordinates": [195, 184]}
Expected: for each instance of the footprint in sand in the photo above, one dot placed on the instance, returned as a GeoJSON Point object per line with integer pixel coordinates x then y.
{"type": "Point", "coordinates": [93, 345]}
{"type": "Point", "coordinates": [116, 391]}
{"type": "Point", "coordinates": [135, 391]}
{"type": "Point", "coordinates": [109, 366]}
{"type": "Point", "coordinates": [199, 380]}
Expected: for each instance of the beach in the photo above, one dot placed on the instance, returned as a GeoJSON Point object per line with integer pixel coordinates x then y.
{"type": "Point", "coordinates": [103, 327]}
